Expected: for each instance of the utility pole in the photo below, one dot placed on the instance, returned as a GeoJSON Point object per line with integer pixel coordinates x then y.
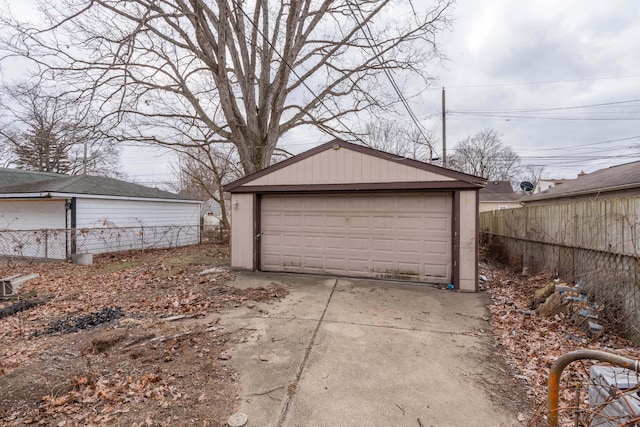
{"type": "Point", "coordinates": [444, 132]}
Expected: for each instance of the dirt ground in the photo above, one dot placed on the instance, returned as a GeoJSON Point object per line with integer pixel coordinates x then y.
{"type": "Point", "coordinates": [531, 342]}
{"type": "Point", "coordinates": [134, 340]}
{"type": "Point", "coordinates": [131, 340]}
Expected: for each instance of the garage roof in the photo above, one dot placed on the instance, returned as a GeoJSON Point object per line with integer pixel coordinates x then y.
{"type": "Point", "coordinates": [342, 166]}
{"type": "Point", "coordinates": [10, 176]}
{"type": "Point", "coordinates": [83, 184]}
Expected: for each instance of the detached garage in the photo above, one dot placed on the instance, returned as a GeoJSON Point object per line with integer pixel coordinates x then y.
{"type": "Point", "coordinates": [52, 216]}
{"type": "Point", "coordinates": [347, 210]}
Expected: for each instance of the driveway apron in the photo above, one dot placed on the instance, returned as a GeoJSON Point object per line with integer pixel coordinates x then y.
{"type": "Point", "coordinates": [347, 352]}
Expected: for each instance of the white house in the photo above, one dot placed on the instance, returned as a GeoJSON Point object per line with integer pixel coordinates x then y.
{"type": "Point", "coordinates": [89, 214]}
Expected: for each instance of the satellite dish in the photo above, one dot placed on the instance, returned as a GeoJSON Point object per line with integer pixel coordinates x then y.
{"type": "Point", "coordinates": [526, 186]}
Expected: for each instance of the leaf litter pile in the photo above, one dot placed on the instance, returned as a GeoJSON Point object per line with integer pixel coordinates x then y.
{"type": "Point", "coordinates": [532, 335]}
{"type": "Point", "coordinates": [131, 340]}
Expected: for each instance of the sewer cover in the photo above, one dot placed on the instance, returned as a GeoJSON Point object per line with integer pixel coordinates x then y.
{"type": "Point", "coordinates": [237, 420]}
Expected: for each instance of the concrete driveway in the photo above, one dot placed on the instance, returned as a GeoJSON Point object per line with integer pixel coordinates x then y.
{"type": "Point", "coordinates": [347, 352]}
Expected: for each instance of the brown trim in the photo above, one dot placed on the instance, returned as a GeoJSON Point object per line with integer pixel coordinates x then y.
{"type": "Point", "coordinates": [455, 238]}
{"type": "Point", "coordinates": [257, 231]}
{"type": "Point", "coordinates": [469, 179]}
{"type": "Point", "coordinates": [374, 186]}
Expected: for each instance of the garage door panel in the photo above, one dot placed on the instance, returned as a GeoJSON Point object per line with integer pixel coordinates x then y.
{"type": "Point", "coordinates": [335, 264]}
{"type": "Point", "coordinates": [359, 222]}
{"type": "Point", "coordinates": [358, 244]}
{"type": "Point", "coordinates": [409, 268]}
{"type": "Point", "coordinates": [432, 270]}
{"type": "Point", "coordinates": [335, 242]}
{"type": "Point", "coordinates": [438, 224]}
{"type": "Point", "coordinates": [409, 246]}
{"type": "Point", "coordinates": [382, 245]}
{"type": "Point", "coordinates": [359, 204]}
{"type": "Point", "coordinates": [437, 247]}
{"type": "Point", "coordinates": [403, 236]}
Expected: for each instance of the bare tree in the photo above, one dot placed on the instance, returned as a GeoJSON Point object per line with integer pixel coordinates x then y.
{"type": "Point", "coordinates": [5, 155]}
{"type": "Point", "coordinates": [203, 171]}
{"type": "Point", "coordinates": [248, 70]}
{"type": "Point", "coordinates": [394, 136]}
{"type": "Point", "coordinates": [484, 154]}
{"type": "Point", "coordinates": [50, 133]}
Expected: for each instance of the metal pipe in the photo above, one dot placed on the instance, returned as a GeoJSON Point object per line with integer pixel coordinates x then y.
{"type": "Point", "coordinates": [566, 359]}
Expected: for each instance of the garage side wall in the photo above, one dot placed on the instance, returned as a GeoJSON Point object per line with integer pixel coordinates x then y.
{"type": "Point", "coordinates": [110, 225]}
{"type": "Point", "coordinates": [242, 231]}
{"type": "Point", "coordinates": [22, 225]}
{"type": "Point", "coordinates": [468, 257]}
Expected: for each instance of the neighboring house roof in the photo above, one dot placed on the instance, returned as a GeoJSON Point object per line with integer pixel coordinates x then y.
{"type": "Point", "coordinates": [84, 184]}
{"type": "Point", "coordinates": [18, 176]}
{"type": "Point", "coordinates": [614, 178]}
{"type": "Point", "coordinates": [498, 191]}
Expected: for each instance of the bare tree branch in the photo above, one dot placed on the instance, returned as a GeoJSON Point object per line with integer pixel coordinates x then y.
{"type": "Point", "coordinates": [484, 154]}
{"type": "Point", "coordinates": [50, 133]}
{"type": "Point", "coordinates": [249, 70]}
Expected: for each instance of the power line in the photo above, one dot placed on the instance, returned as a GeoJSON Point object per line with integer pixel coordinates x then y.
{"type": "Point", "coordinates": [535, 110]}
{"type": "Point", "coordinates": [518, 117]}
{"type": "Point", "coordinates": [634, 76]}
{"type": "Point", "coordinates": [590, 144]}
{"type": "Point", "coordinates": [396, 88]}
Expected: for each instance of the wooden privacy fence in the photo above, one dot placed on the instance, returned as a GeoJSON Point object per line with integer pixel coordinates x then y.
{"type": "Point", "coordinates": [594, 242]}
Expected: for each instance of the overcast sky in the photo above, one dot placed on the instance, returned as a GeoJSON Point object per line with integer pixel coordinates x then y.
{"type": "Point", "coordinates": [508, 58]}
{"type": "Point", "coordinates": [520, 67]}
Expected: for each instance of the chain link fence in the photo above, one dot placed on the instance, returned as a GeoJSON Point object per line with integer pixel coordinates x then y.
{"type": "Point", "coordinates": [59, 244]}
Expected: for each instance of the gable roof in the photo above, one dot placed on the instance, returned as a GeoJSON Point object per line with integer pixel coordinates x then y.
{"type": "Point", "coordinates": [333, 152]}
{"type": "Point", "coordinates": [498, 191]}
{"type": "Point", "coordinates": [85, 185]}
{"type": "Point", "coordinates": [614, 178]}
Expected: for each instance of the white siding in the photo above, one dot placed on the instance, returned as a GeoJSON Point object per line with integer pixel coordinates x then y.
{"type": "Point", "coordinates": [23, 224]}
{"type": "Point", "coordinates": [134, 224]}
{"type": "Point", "coordinates": [92, 213]}
{"type": "Point", "coordinates": [31, 214]}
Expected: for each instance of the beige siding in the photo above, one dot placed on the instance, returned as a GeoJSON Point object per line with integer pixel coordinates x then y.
{"type": "Point", "coordinates": [242, 229]}
{"type": "Point", "coordinates": [399, 236]}
{"type": "Point", "coordinates": [468, 241]}
{"type": "Point", "coordinates": [344, 166]}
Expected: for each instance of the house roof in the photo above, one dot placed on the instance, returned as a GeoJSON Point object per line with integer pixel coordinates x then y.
{"type": "Point", "coordinates": [450, 178]}
{"type": "Point", "coordinates": [18, 176]}
{"type": "Point", "coordinates": [498, 191]}
{"type": "Point", "coordinates": [614, 178]}
{"type": "Point", "coordinates": [83, 184]}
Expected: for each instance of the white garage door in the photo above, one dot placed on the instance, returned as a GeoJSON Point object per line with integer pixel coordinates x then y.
{"type": "Point", "coordinates": [399, 236]}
